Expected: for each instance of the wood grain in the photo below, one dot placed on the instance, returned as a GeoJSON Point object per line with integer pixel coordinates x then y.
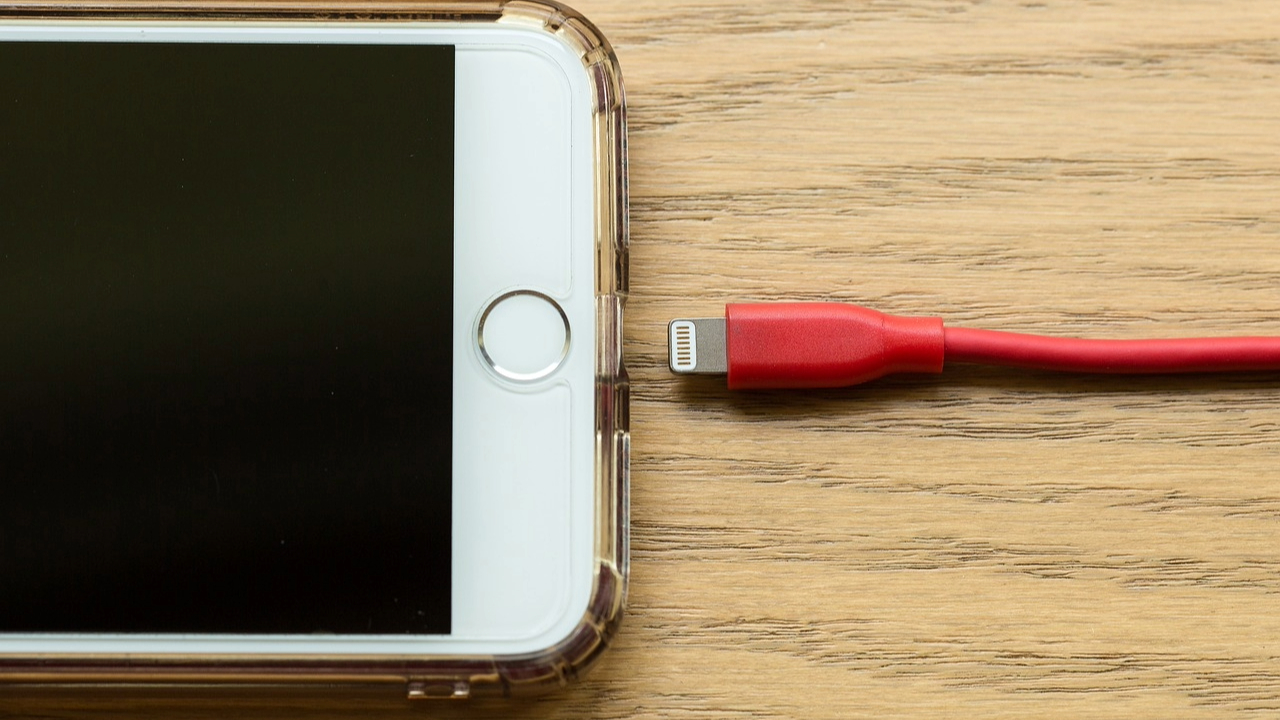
{"type": "Point", "coordinates": [979, 544]}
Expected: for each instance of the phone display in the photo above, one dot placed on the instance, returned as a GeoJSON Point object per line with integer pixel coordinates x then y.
{"type": "Point", "coordinates": [227, 382]}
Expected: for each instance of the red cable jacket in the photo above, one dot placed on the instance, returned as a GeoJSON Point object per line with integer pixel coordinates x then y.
{"type": "Point", "coordinates": [990, 347]}
{"type": "Point", "coordinates": [811, 345]}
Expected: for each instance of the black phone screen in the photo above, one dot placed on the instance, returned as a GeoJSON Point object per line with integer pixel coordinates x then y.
{"type": "Point", "coordinates": [226, 276]}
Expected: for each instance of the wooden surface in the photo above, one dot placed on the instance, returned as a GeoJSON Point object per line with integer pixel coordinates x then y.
{"type": "Point", "coordinates": [978, 544]}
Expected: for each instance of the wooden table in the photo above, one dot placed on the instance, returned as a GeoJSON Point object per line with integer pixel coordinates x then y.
{"type": "Point", "coordinates": [976, 544]}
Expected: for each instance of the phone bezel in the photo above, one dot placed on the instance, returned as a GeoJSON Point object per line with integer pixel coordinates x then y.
{"type": "Point", "coordinates": [497, 597]}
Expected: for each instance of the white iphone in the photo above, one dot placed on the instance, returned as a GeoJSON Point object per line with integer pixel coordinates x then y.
{"type": "Point", "coordinates": [312, 371]}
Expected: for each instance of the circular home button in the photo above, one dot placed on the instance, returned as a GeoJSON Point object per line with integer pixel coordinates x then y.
{"type": "Point", "coordinates": [523, 335]}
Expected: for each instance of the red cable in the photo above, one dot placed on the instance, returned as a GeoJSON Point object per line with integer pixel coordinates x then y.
{"type": "Point", "coordinates": [988, 347]}
{"type": "Point", "coordinates": [831, 345]}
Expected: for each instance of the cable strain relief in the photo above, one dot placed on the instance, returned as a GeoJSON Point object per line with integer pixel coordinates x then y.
{"type": "Point", "coordinates": [914, 344]}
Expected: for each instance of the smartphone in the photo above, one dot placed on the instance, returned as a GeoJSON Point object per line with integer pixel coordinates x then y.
{"type": "Point", "coordinates": [313, 363]}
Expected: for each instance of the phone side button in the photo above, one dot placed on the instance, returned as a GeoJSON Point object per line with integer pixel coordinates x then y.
{"type": "Point", "coordinates": [439, 689]}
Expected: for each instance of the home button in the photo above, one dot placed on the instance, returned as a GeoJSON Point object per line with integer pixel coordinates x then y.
{"type": "Point", "coordinates": [523, 335]}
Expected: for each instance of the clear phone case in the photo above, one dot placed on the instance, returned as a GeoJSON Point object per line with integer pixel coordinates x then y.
{"type": "Point", "coordinates": [419, 677]}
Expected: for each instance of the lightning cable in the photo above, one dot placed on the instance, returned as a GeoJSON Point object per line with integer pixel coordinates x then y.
{"type": "Point", "coordinates": [823, 345]}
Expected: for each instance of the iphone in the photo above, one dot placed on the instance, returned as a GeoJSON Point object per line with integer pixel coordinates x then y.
{"type": "Point", "coordinates": [313, 364]}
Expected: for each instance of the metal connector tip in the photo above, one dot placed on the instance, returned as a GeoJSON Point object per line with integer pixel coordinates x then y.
{"type": "Point", "coordinates": [696, 346]}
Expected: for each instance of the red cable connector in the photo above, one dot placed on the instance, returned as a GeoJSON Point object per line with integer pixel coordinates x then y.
{"type": "Point", "coordinates": [825, 345]}
{"type": "Point", "coordinates": [813, 345]}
